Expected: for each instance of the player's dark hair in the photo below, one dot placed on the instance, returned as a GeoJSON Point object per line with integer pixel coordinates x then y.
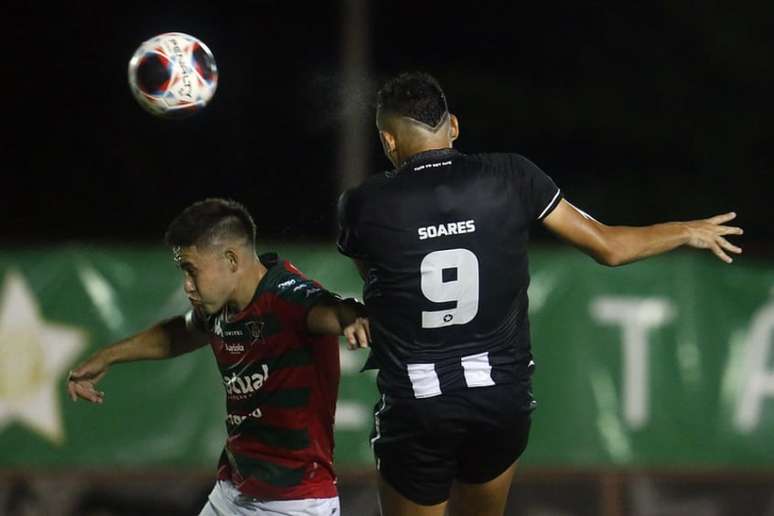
{"type": "Point", "coordinates": [416, 95]}
{"type": "Point", "coordinates": [205, 222]}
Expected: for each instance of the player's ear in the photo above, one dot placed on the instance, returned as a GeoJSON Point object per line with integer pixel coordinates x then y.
{"type": "Point", "coordinates": [389, 142]}
{"type": "Point", "coordinates": [454, 127]}
{"type": "Point", "coordinates": [232, 259]}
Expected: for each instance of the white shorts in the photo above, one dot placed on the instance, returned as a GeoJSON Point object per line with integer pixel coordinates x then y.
{"type": "Point", "coordinates": [226, 500]}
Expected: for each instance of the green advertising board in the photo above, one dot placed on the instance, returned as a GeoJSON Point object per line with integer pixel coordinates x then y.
{"type": "Point", "coordinates": [665, 362]}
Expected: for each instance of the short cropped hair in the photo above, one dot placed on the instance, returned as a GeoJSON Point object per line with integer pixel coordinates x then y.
{"type": "Point", "coordinates": [207, 222]}
{"type": "Point", "coordinates": [416, 95]}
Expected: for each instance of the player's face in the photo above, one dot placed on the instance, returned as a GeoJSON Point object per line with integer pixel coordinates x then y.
{"type": "Point", "coordinates": [208, 280]}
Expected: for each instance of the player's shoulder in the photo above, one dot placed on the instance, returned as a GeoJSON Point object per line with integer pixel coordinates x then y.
{"type": "Point", "coordinates": [513, 167]}
{"type": "Point", "coordinates": [371, 184]}
{"type": "Point", "coordinates": [352, 200]}
{"type": "Point", "coordinates": [280, 272]}
{"type": "Point", "coordinates": [501, 161]}
{"type": "Point", "coordinates": [285, 280]}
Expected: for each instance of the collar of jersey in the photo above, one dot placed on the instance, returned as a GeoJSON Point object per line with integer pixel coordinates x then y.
{"type": "Point", "coordinates": [426, 157]}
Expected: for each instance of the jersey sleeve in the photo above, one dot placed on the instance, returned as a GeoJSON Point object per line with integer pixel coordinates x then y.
{"type": "Point", "coordinates": [299, 294]}
{"type": "Point", "coordinates": [540, 194]}
{"type": "Point", "coordinates": [195, 320]}
{"type": "Point", "coordinates": [349, 242]}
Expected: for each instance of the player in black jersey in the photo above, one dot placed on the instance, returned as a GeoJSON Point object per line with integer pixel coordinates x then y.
{"type": "Point", "coordinates": [441, 244]}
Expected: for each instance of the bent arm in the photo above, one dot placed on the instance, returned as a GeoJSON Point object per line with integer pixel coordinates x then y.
{"type": "Point", "coordinates": [619, 245]}
{"type": "Point", "coordinates": [340, 317]}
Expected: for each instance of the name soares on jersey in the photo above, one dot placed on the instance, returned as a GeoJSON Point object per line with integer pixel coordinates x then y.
{"type": "Point", "coordinates": [450, 228]}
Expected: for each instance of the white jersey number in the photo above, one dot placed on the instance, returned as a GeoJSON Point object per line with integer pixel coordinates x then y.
{"type": "Point", "coordinates": [463, 288]}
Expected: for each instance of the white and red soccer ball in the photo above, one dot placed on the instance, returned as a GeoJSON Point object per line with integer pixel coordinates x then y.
{"type": "Point", "coordinates": [173, 75]}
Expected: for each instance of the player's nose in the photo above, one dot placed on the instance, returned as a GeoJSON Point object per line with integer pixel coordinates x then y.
{"type": "Point", "coordinates": [189, 287]}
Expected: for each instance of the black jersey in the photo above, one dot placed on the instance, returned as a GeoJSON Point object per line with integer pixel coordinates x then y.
{"type": "Point", "coordinates": [444, 239]}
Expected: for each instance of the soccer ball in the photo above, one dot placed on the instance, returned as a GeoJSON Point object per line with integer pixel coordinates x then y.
{"type": "Point", "coordinates": [173, 75]}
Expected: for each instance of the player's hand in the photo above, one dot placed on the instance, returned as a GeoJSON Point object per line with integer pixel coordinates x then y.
{"type": "Point", "coordinates": [83, 380]}
{"type": "Point", "coordinates": [710, 233]}
{"type": "Point", "coordinates": [358, 334]}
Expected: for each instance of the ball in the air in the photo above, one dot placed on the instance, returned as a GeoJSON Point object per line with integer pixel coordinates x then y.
{"type": "Point", "coordinates": [173, 75]}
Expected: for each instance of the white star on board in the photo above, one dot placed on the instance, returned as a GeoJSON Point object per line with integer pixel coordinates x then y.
{"type": "Point", "coordinates": [34, 358]}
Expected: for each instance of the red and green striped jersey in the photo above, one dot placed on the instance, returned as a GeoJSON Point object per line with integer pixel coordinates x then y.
{"type": "Point", "coordinates": [281, 387]}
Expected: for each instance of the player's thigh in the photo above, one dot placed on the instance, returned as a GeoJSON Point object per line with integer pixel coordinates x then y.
{"type": "Point", "coordinates": [415, 444]}
{"type": "Point", "coordinates": [488, 456]}
{"type": "Point", "coordinates": [485, 499]}
{"type": "Point", "coordinates": [496, 438]}
{"type": "Point", "coordinates": [392, 503]}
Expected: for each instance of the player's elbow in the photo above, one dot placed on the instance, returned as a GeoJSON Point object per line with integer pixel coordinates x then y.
{"type": "Point", "coordinates": [610, 258]}
{"type": "Point", "coordinates": [610, 253]}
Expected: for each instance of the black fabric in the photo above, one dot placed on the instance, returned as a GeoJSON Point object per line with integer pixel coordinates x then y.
{"type": "Point", "coordinates": [472, 436]}
{"type": "Point", "coordinates": [446, 234]}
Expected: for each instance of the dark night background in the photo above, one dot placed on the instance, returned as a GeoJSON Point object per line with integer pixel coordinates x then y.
{"type": "Point", "coordinates": [641, 113]}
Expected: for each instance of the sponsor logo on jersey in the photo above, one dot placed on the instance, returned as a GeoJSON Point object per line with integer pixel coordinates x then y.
{"type": "Point", "coordinates": [255, 329]}
{"type": "Point", "coordinates": [218, 330]}
{"type": "Point", "coordinates": [234, 348]}
{"type": "Point", "coordinates": [251, 331]}
{"type": "Point", "coordinates": [286, 284]}
{"type": "Point", "coordinates": [450, 228]}
{"type": "Point", "coordinates": [306, 286]}
{"type": "Point", "coordinates": [236, 419]}
{"type": "Point", "coordinates": [241, 385]}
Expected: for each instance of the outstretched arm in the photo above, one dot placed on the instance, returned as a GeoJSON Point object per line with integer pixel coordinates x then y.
{"type": "Point", "coordinates": [619, 245]}
{"type": "Point", "coordinates": [340, 317]}
{"type": "Point", "coordinates": [164, 340]}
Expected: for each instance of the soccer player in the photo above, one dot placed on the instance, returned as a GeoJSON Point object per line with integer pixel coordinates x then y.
{"type": "Point", "coordinates": [441, 243]}
{"type": "Point", "coordinates": [274, 334]}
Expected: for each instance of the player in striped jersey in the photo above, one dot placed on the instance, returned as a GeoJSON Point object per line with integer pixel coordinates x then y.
{"type": "Point", "coordinates": [274, 333]}
{"type": "Point", "coordinates": [441, 241]}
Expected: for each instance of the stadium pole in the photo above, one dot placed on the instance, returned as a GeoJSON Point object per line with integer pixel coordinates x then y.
{"type": "Point", "coordinates": [354, 94]}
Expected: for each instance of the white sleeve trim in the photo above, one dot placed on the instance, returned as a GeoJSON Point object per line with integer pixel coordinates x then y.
{"type": "Point", "coordinates": [558, 191]}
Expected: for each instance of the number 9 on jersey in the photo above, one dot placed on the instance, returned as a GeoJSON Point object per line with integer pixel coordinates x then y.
{"type": "Point", "coordinates": [446, 276]}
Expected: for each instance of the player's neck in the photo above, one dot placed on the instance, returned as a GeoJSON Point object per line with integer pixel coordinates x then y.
{"type": "Point", "coordinates": [247, 285]}
{"type": "Point", "coordinates": [429, 145]}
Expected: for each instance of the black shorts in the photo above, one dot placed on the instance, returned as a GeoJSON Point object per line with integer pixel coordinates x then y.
{"type": "Point", "coordinates": [472, 435]}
